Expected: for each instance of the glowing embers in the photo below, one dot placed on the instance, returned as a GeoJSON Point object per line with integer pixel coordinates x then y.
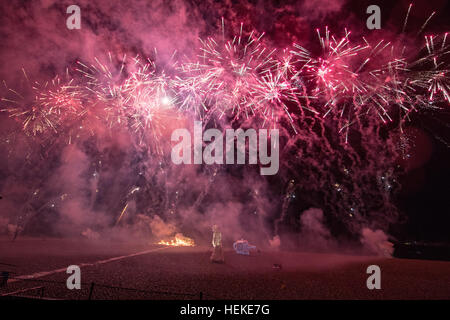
{"type": "Point", "coordinates": [179, 241]}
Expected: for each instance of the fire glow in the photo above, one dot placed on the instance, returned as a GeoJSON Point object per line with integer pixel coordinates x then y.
{"type": "Point", "coordinates": [179, 241]}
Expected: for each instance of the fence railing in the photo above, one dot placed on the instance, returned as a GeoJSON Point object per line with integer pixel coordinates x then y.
{"type": "Point", "coordinates": [95, 290]}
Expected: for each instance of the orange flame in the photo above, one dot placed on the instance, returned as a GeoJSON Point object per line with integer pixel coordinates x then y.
{"type": "Point", "coordinates": [179, 241]}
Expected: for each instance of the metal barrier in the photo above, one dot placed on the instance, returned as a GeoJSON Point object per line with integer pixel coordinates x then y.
{"type": "Point", "coordinates": [19, 293]}
{"type": "Point", "coordinates": [93, 288]}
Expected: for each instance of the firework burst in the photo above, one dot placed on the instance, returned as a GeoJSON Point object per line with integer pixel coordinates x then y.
{"type": "Point", "coordinates": [43, 106]}
{"type": "Point", "coordinates": [227, 72]}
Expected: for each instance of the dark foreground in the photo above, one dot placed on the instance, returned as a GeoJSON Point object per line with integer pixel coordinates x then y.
{"type": "Point", "coordinates": [186, 273]}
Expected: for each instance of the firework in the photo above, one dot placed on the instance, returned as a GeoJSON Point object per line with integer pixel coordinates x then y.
{"type": "Point", "coordinates": [271, 96]}
{"type": "Point", "coordinates": [43, 106]}
{"type": "Point", "coordinates": [241, 77]}
{"type": "Point", "coordinates": [353, 81]}
{"type": "Point", "coordinates": [105, 83]}
{"type": "Point", "coordinates": [130, 94]}
{"type": "Point", "coordinates": [226, 73]}
{"type": "Point", "coordinates": [148, 99]}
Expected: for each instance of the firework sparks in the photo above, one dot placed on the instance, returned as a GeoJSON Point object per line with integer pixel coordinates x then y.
{"type": "Point", "coordinates": [223, 79]}
{"type": "Point", "coordinates": [43, 106]}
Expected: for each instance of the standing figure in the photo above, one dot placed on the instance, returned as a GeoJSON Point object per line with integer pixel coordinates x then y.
{"type": "Point", "coordinates": [217, 254]}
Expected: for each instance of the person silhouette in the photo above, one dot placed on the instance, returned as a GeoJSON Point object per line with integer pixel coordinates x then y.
{"type": "Point", "coordinates": [217, 254]}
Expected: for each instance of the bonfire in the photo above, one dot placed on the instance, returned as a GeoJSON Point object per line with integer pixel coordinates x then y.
{"type": "Point", "coordinates": [178, 241]}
